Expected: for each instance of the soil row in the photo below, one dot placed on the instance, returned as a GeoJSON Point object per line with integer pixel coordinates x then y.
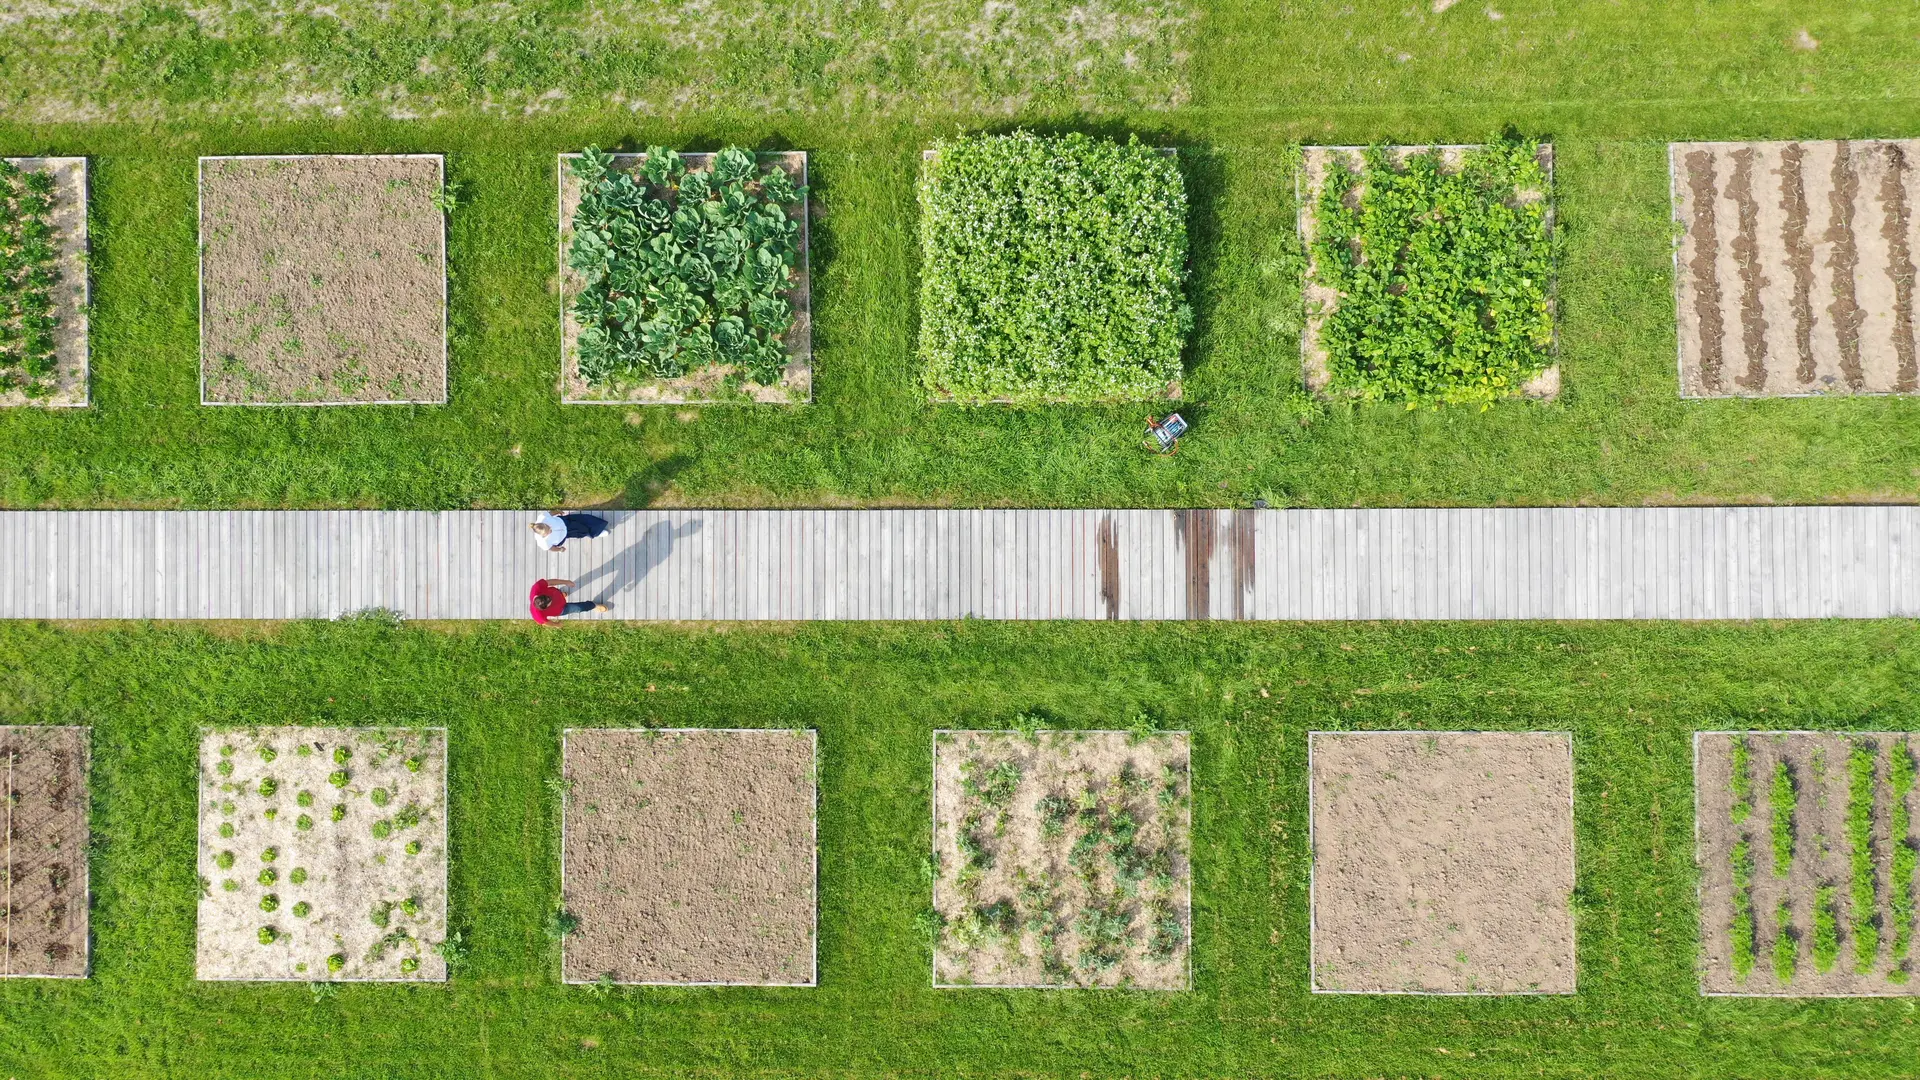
{"type": "Point", "coordinates": [43, 857]}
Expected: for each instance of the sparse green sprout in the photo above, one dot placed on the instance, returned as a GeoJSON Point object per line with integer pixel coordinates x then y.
{"type": "Point", "coordinates": [226, 830]}
{"type": "Point", "coordinates": [341, 754]}
{"type": "Point", "coordinates": [270, 902]}
{"type": "Point", "coordinates": [381, 915]}
{"type": "Point", "coordinates": [224, 860]}
{"type": "Point", "coordinates": [382, 829]}
{"type": "Point", "coordinates": [411, 905]}
{"type": "Point", "coordinates": [299, 875]}
{"type": "Point", "coordinates": [229, 885]}
{"type": "Point", "coordinates": [409, 965]}
{"type": "Point", "coordinates": [414, 763]}
{"type": "Point", "coordinates": [380, 796]}
{"type": "Point", "coordinates": [268, 935]}
{"type": "Point", "coordinates": [336, 962]}
{"type": "Point", "coordinates": [269, 876]}
{"type": "Point", "coordinates": [305, 798]}
{"type": "Point", "coordinates": [225, 768]}
{"type": "Point", "coordinates": [270, 813]}
{"type": "Point", "coordinates": [270, 854]}
{"type": "Point", "coordinates": [267, 754]}
{"type": "Point", "coordinates": [303, 822]}
{"type": "Point", "coordinates": [413, 847]}
{"type": "Point", "coordinates": [302, 909]}
{"type": "Point", "coordinates": [338, 778]}
{"type": "Point", "coordinates": [339, 811]}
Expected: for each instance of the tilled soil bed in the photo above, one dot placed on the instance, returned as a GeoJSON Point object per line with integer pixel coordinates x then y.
{"type": "Point", "coordinates": [1442, 862]}
{"type": "Point", "coordinates": [1807, 856]}
{"type": "Point", "coordinates": [689, 857]}
{"type": "Point", "coordinates": [43, 851]}
{"type": "Point", "coordinates": [323, 854]}
{"type": "Point", "coordinates": [1063, 859]}
{"type": "Point", "coordinates": [1794, 274]}
{"type": "Point", "coordinates": [322, 280]}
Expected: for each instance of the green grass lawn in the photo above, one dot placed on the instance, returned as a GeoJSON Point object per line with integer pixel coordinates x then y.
{"type": "Point", "coordinates": [1630, 694]}
{"type": "Point", "coordinates": [144, 88]}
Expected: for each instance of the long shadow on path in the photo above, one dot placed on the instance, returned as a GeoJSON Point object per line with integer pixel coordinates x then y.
{"type": "Point", "coordinates": [631, 566]}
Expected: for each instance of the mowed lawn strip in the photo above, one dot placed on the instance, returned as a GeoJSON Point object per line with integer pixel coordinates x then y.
{"type": "Point", "coordinates": [1631, 695]}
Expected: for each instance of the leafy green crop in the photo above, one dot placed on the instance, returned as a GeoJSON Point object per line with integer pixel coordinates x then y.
{"type": "Point", "coordinates": [27, 278]}
{"type": "Point", "coordinates": [1866, 914]}
{"type": "Point", "coordinates": [1786, 947]}
{"type": "Point", "coordinates": [1741, 931]}
{"type": "Point", "coordinates": [1905, 858]}
{"type": "Point", "coordinates": [1780, 806]}
{"type": "Point", "coordinates": [1826, 929]}
{"type": "Point", "coordinates": [684, 269]}
{"type": "Point", "coordinates": [1444, 276]}
{"type": "Point", "coordinates": [1742, 780]}
{"type": "Point", "coordinates": [1053, 270]}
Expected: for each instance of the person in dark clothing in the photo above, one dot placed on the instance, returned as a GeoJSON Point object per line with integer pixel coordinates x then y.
{"type": "Point", "coordinates": [552, 531]}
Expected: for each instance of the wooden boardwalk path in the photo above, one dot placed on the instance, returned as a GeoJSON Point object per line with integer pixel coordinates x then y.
{"type": "Point", "coordinates": [1576, 563]}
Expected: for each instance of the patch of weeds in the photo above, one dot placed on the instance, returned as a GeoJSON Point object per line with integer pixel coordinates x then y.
{"type": "Point", "coordinates": [994, 784]}
{"type": "Point", "coordinates": [381, 914]}
{"type": "Point", "coordinates": [1866, 915]}
{"type": "Point", "coordinates": [562, 924]}
{"type": "Point", "coordinates": [454, 951]}
{"type": "Point", "coordinates": [1055, 812]}
{"type": "Point", "coordinates": [225, 768]}
{"type": "Point", "coordinates": [1104, 932]}
{"type": "Point", "coordinates": [409, 817]}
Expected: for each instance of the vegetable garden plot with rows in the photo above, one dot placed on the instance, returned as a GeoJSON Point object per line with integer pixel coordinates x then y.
{"type": "Point", "coordinates": [1794, 268]}
{"type": "Point", "coordinates": [688, 857]}
{"type": "Point", "coordinates": [1807, 854]}
{"type": "Point", "coordinates": [1442, 862]}
{"type": "Point", "coordinates": [684, 277]}
{"type": "Point", "coordinates": [43, 851]}
{"type": "Point", "coordinates": [323, 280]}
{"type": "Point", "coordinates": [1053, 270]}
{"type": "Point", "coordinates": [43, 281]}
{"type": "Point", "coordinates": [1062, 859]}
{"type": "Point", "coordinates": [1430, 273]}
{"type": "Point", "coordinates": [323, 854]}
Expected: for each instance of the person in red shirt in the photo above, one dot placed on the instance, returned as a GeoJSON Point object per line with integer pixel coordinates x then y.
{"type": "Point", "coordinates": [548, 601]}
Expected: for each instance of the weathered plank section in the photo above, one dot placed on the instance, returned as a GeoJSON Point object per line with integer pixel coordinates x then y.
{"type": "Point", "coordinates": [1576, 563]}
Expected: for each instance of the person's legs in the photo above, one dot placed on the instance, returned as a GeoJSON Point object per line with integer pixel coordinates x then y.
{"type": "Point", "coordinates": [575, 607]}
{"type": "Point", "coordinates": [585, 526]}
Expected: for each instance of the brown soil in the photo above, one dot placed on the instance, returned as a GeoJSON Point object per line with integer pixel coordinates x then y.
{"type": "Point", "coordinates": [1442, 862]}
{"type": "Point", "coordinates": [1821, 857]}
{"type": "Point", "coordinates": [43, 851]}
{"type": "Point", "coordinates": [709, 385]}
{"type": "Point", "coordinates": [689, 857]}
{"type": "Point", "coordinates": [1027, 915]}
{"type": "Point", "coordinates": [69, 220]}
{"type": "Point", "coordinates": [1820, 235]}
{"type": "Point", "coordinates": [356, 874]}
{"type": "Point", "coordinates": [322, 280]}
{"type": "Point", "coordinates": [1321, 300]}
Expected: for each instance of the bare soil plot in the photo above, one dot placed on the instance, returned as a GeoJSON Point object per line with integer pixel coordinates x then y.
{"type": "Point", "coordinates": [1063, 859]}
{"type": "Point", "coordinates": [322, 280]}
{"type": "Point", "coordinates": [323, 854]}
{"type": "Point", "coordinates": [688, 856]}
{"type": "Point", "coordinates": [1442, 862]}
{"type": "Point", "coordinates": [708, 385]}
{"type": "Point", "coordinates": [66, 385]}
{"type": "Point", "coordinates": [1794, 274]}
{"type": "Point", "coordinates": [43, 851]}
{"type": "Point", "coordinates": [1322, 300]}
{"type": "Point", "coordinates": [1807, 856]}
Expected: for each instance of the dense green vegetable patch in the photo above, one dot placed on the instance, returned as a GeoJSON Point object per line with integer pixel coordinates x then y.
{"type": "Point", "coordinates": [1445, 275]}
{"type": "Point", "coordinates": [1054, 270]}
{"type": "Point", "coordinates": [27, 278]}
{"type": "Point", "coordinates": [684, 268]}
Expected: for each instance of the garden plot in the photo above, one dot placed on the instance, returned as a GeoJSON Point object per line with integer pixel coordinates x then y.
{"type": "Point", "coordinates": [688, 857]}
{"type": "Point", "coordinates": [1807, 854]}
{"type": "Point", "coordinates": [43, 851]}
{"type": "Point", "coordinates": [43, 281]}
{"type": "Point", "coordinates": [1794, 273]}
{"type": "Point", "coordinates": [323, 280]}
{"type": "Point", "coordinates": [1464, 310]}
{"type": "Point", "coordinates": [323, 854]}
{"type": "Point", "coordinates": [1064, 859]}
{"type": "Point", "coordinates": [683, 278]}
{"type": "Point", "coordinates": [1442, 862]}
{"type": "Point", "coordinates": [1053, 270]}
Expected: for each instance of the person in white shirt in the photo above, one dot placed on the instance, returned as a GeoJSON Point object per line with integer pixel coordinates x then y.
{"type": "Point", "coordinates": [552, 531]}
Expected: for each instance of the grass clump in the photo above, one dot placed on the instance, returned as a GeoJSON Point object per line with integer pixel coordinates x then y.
{"type": "Point", "coordinates": [1780, 810]}
{"type": "Point", "coordinates": [1741, 932]}
{"type": "Point", "coordinates": [1053, 270]}
{"type": "Point", "coordinates": [1444, 275]}
{"type": "Point", "coordinates": [1866, 905]}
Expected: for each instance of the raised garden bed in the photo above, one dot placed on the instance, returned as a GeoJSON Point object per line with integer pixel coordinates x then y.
{"type": "Point", "coordinates": [1442, 862]}
{"type": "Point", "coordinates": [323, 280]}
{"type": "Point", "coordinates": [43, 852]}
{"type": "Point", "coordinates": [1053, 270]}
{"type": "Point", "coordinates": [1807, 855]}
{"type": "Point", "coordinates": [1794, 268]}
{"type": "Point", "coordinates": [684, 280]}
{"type": "Point", "coordinates": [688, 857]}
{"type": "Point", "coordinates": [43, 281]}
{"type": "Point", "coordinates": [1462, 311]}
{"type": "Point", "coordinates": [1062, 859]}
{"type": "Point", "coordinates": [323, 854]}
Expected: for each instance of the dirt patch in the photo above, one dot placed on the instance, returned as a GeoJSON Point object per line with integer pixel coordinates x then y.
{"type": "Point", "coordinates": [1062, 859]}
{"type": "Point", "coordinates": [323, 854]}
{"type": "Point", "coordinates": [43, 852]}
{"type": "Point", "coordinates": [1760, 794]}
{"type": "Point", "coordinates": [70, 294]}
{"type": "Point", "coordinates": [707, 386]}
{"type": "Point", "coordinates": [1322, 300]}
{"type": "Point", "coordinates": [322, 280]}
{"type": "Point", "coordinates": [1442, 862]}
{"type": "Point", "coordinates": [689, 857]}
{"type": "Point", "coordinates": [1820, 236]}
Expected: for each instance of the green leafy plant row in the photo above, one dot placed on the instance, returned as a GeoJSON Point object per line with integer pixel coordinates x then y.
{"type": "Point", "coordinates": [683, 269]}
{"type": "Point", "coordinates": [1866, 906]}
{"type": "Point", "coordinates": [1444, 274]}
{"type": "Point", "coordinates": [1742, 928]}
{"type": "Point", "coordinates": [1826, 929]}
{"type": "Point", "coordinates": [1900, 775]}
{"type": "Point", "coordinates": [27, 278]}
{"type": "Point", "coordinates": [1742, 780]}
{"type": "Point", "coordinates": [1780, 809]}
{"type": "Point", "coordinates": [1054, 269]}
{"type": "Point", "coordinates": [1786, 947]}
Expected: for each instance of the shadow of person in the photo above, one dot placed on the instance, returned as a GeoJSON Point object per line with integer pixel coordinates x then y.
{"type": "Point", "coordinates": [631, 566]}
